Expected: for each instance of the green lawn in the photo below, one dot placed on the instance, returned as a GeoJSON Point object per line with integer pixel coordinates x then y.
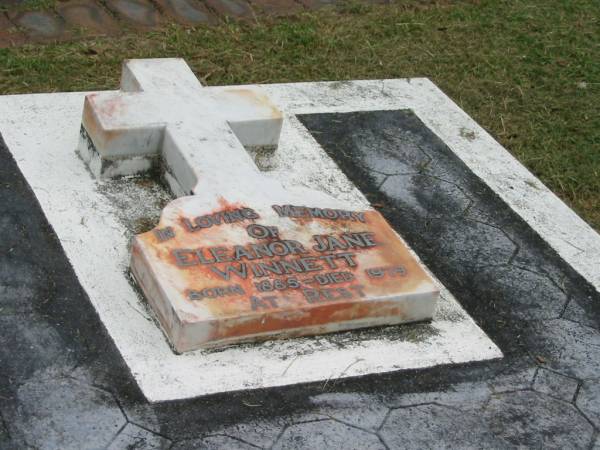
{"type": "Point", "coordinates": [528, 71]}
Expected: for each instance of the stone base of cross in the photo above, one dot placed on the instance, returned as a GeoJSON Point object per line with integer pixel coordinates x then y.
{"type": "Point", "coordinates": [237, 257]}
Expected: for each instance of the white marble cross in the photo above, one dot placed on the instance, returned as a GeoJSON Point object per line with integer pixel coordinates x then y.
{"type": "Point", "coordinates": [163, 113]}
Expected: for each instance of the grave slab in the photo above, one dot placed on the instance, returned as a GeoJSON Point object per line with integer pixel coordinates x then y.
{"type": "Point", "coordinates": [100, 230]}
{"type": "Point", "coordinates": [239, 260]}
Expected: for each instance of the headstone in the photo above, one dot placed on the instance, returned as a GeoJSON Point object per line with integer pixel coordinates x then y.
{"type": "Point", "coordinates": [242, 258]}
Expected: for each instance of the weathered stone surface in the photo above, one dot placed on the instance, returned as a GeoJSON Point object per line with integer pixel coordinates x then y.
{"type": "Point", "coordinates": [260, 432]}
{"type": "Point", "coordinates": [231, 8]}
{"type": "Point", "coordinates": [327, 434]}
{"type": "Point", "coordinates": [187, 12]}
{"type": "Point", "coordinates": [41, 24]}
{"type": "Point", "coordinates": [567, 347]}
{"type": "Point", "coordinates": [134, 437]}
{"type": "Point", "coordinates": [581, 310]}
{"type": "Point", "coordinates": [28, 335]}
{"type": "Point", "coordinates": [588, 400]}
{"type": "Point", "coordinates": [63, 413]}
{"type": "Point", "coordinates": [139, 13]}
{"type": "Point", "coordinates": [440, 197]}
{"type": "Point", "coordinates": [24, 282]}
{"type": "Point", "coordinates": [421, 426]}
{"type": "Point", "coordinates": [238, 261]}
{"type": "Point", "coordinates": [464, 396]}
{"type": "Point", "coordinates": [4, 435]}
{"type": "Point", "coordinates": [87, 15]}
{"type": "Point", "coordinates": [360, 410]}
{"type": "Point", "coordinates": [517, 377]}
{"type": "Point", "coordinates": [532, 420]}
{"type": "Point", "coordinates": [533, 296]}
{"type": "Point", "coordinates": [555, 385]}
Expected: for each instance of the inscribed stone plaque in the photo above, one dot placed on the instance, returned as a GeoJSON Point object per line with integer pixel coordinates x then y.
{"type": "Point", "coordinates": [243, 272]}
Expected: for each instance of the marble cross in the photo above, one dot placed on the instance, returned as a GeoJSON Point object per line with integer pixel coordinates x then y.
{"type": "Point", "coordinates": [162, 114]}
{"type": "Point", "coordinates": [238, 257]}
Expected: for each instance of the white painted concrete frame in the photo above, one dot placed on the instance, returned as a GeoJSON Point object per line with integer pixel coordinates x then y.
{"type": "Point", "coordinates": [91, 232]}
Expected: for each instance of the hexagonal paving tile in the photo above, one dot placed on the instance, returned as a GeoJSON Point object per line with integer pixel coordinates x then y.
{"type": "Point", "coordinates": [327, 434]}
{"type": "Point", "coordinates": [532, 420]}
{"type": "Point", "coordinates": [261, 433]}
{"type": "Point", "coordinates": [588, 400]}
{"type": "Point", "coordinates": [567, 347]}
{"type": "Point", "coordinates": [526, 294]}
{"type": "Point", "coordinates": [361, 410]}
{"type": "Point", "coordinates": [577, 313]}
{"type": "Point", "coordinates": [435, 426]}
{"type": "Point", "coordinates": [555, 385]}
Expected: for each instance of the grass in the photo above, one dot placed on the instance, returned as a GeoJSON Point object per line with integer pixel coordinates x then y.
{"type": "Point", "coordinates": [528, 71]}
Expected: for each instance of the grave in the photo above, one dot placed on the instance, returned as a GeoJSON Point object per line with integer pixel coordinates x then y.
{"type": "Point", "coordinates": [243, 258]}
{"type": "Point", "coordinates": [147, 176]}
{"type": "Point", "coordinates": [511, 353]}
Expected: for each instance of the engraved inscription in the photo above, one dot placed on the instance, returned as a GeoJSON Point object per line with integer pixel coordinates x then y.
{"type": "Point", "coordinates": [219, 218]}
{"type": "Point", "coordinates": [318, 213]}
{"type": "Point", "coordinates": [246, 271]}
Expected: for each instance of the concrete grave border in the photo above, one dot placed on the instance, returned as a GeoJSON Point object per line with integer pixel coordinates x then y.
{"type": "Point", "coordinates": [96, 242]}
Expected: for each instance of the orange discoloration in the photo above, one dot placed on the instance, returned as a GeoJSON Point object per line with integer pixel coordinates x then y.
{"type": "Point", "coordinates": [321, 315]}
{"type": "Point", "coordinates": [318, 299]}
{"type": "Point", "coordinates": [256, 98]}
{"type": "Point", "coordinates": [92, 119]}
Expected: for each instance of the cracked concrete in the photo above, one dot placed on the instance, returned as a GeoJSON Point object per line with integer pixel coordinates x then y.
{"type": "Point", "coordinates": [63, 383]}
